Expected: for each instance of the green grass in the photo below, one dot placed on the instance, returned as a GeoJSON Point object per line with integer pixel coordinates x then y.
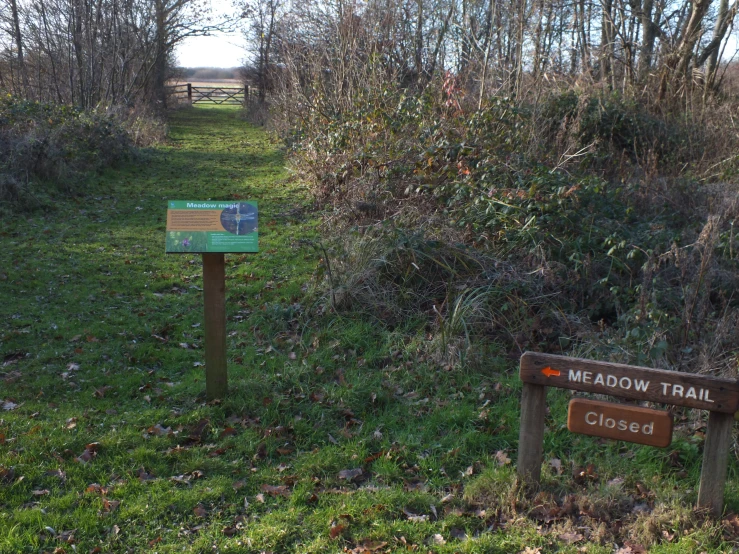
{"type": "Point", "coordinates": [94, 321]}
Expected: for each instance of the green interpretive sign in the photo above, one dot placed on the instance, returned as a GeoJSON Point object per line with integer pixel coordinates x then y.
{"type": "Point", "coordinates": [211, 226]}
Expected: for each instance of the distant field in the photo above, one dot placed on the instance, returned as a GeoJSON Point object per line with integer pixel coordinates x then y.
{"type": "Point", "coordinates": [210, 83]}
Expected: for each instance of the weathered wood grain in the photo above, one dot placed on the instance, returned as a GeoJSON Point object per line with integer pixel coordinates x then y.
{"type": "Point", "coordinates": [531, 433]}
{"type": "Point", "coordinates": [214, 299]}
{"type": "Point", "coordinates": [639, 383]}
{"type": "Point", "coordinates": [715, 460]}
{"type": "Point", "coordinates": [620, 422]}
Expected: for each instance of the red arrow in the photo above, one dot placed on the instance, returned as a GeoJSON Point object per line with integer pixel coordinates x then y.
{"type": "Point", "coordinates": [549, 372]}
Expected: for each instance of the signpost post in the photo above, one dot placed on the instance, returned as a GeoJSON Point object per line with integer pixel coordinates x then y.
{"type": "Point", "coordinates": [719, 396]}
{"type": "Point", "coordinates": [213, 228]}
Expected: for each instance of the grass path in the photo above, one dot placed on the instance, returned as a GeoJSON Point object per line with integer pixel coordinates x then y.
{"type": "Point", "coordinates": [338, 434]}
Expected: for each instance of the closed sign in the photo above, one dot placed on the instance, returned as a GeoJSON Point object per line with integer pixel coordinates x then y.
{"type": "Point", "coordinates": [620, 422]}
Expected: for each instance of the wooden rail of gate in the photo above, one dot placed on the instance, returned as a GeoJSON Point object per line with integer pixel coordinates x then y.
{"type": "Point", "coordinates": [211, 95]}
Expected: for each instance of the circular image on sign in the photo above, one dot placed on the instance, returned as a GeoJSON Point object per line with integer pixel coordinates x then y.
{"type": "Point", "coordinates": [240, 219]}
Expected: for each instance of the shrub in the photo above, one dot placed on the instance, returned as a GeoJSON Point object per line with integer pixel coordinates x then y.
{"type": "Point", "coordinates": [576, 195]}
{"type": "Point", "coordinates": [42, 142]}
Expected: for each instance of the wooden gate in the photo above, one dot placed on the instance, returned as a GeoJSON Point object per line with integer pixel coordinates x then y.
{"type": "Point", "coordinates": [212, 95]}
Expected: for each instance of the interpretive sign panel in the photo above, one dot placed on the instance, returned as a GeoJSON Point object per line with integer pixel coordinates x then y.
{"type": "Point", "coordinates": [639, 383]}
{"type": "Point", "coordinates": [620, 422]}
{"type": "Point", "coordinates": [211, 226]}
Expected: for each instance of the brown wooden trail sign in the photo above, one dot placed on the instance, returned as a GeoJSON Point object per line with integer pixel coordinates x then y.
{"type": "Point", "coordinates": [719, 396]}
{"type": "Point", "coordinates": [620, 422]}
{"type": "Point", "coordinates": [638, 383]}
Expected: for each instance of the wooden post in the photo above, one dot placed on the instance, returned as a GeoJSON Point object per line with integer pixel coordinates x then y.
{"type": "Point", "coordinates": [189, 92]}
{"type": "Point", "coordinates": [531, 434]}
{"type": "Point", "coordinates": [715, 460]}
{"type": "Point", "coordinates": [214, 297]}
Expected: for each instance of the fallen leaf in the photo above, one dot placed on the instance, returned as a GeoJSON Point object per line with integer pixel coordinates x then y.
{"type": "Point", "coordinates": [336, 531]}
{"type": "Point", "coordinates": [58, 473]}
{"type": "Point", "coordinates": [556, 465]}
{"type": "Point", "coordinates": [40, 492]}
{"type": "Point", "coordinates": [143, 475]}
{"type": "Point", "coordinates": [276, 490]}
{"type": "Point", "coordinates": [199, 431]}
{"type": "Point", "coordinates": [100, 393]}
{"type": "Point", "coordinates": [96, 488]}
{"type": "Point", "coordinates": [7, 405]}
{"type": "Point", "coordinates": [200, 511]}
{"type": "Point", "coordinates": [110, 505]}
{"type": "Point", "coordinates": [229, 531]}
{"type": "Point", "coordinates": [438, 539]}
{"type": "Point", "coordinates": [238, 485]}
{"type": "Point", "coordinates": [260, 498]}
{"type": "Point", "coordinates": [369, 546]}
{"type": "Point", "coordinates": [415, 517]}
{"type": "Point", "coordinates": [350, 474]}
{"type": "Point", "coordinates": [228, 431]}
{"type": "Point", "coordinates": [570, 538]}
{"type": "Point", "coordinates": [502, 457]}
{"type": "Point", "coordinates": [158, 430]}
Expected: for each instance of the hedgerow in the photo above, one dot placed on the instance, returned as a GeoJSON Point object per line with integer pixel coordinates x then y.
{"type": "Point", "coordinates": [588, 197]}
{"type": "Point", "coordinates": [58, 145]}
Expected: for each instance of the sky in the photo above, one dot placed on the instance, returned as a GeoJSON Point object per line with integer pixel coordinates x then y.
{"type": "Point", "coordinates": [219, 50]}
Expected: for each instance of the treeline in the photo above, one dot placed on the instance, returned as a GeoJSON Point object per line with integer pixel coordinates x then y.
{"type": "Point", "coordinates": [331, 48]}
{"type": "Point", "coordinates": [208, 73]}
{"type": "Point", "coordinates": [533, 173]}
{"type": "Point", "coordinates": [89, 53]}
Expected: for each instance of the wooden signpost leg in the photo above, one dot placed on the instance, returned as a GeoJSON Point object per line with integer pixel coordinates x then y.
{"type": "Point", "coordinates": [214, 296]}
{"type": "Point", "coordinates": [531, 435]}
{"type": "Point", "coordinates": [715, 460]}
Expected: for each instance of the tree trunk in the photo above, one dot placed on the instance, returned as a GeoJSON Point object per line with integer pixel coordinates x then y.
{"type": "Point", "coordinates": [161, 50]}
{"type": "Point", "coordinates": [607, 35]}
{"type": "Point", "coordinates": [18, 37]}
{"type": "Point", "coordinates": [649, 34]}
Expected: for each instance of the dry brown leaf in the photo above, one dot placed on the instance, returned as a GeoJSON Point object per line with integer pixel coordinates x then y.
{"type": "Point", "coordinates": [110, 505]}
{"type": "Point", "coordinates": [276, 490]}
{"type": "Point", "coordinates": [96, 489]}
{"type": "Point", "coordinates": [570, 538]}
{"type": "Point", "coordinates": [200, 511]}
{"type": "Point", "coordinates": [158, 431]}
